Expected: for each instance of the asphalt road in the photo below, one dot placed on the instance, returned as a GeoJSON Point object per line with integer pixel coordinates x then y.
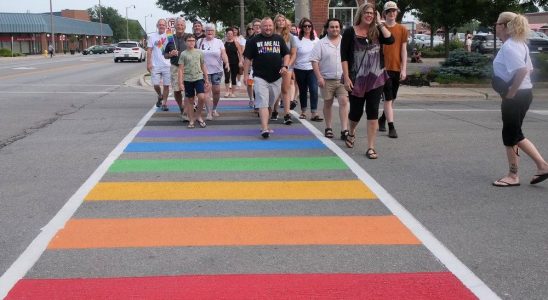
{"type": "Point", "coordinates": [60, 118]}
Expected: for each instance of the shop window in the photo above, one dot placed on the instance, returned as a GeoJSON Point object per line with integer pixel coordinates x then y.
{"type": "Point", "coordinates": [343, 10]}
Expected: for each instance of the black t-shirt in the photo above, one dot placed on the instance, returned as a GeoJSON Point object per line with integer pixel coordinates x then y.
{"type": "Point", "coordinates": [232, 52]}
{"type": "Point", "coordinates": [181, 46]}
{"type": "Point", "coordinates": [267, 53]}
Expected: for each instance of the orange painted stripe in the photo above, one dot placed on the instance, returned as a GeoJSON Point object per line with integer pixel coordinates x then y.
{"type": "Point", "coordinates": [233, 231]}
{"type": "Point", "coordinates": [231, 190]}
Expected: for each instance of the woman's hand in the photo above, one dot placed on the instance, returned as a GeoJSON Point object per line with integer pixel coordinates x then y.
{"type": "Point", "coordinates": [348, 86]}
{"type": "Point", "coordinates": [379, 20]}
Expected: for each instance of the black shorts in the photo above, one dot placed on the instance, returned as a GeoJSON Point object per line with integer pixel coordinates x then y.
{"type": "Point", "coordinates": [513, 113]}
{"type": "Point", "coordinates": [391, 86]}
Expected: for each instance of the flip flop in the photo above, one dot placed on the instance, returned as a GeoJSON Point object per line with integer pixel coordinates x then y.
{"type": "Point", "coordinates": [502, 183]}
{"type": "Point", "coordinates": [302, 116]}
{"type": "Point", "coordinates": [202, 124]}
{"type": "Point", "coordinates": [539, 178]}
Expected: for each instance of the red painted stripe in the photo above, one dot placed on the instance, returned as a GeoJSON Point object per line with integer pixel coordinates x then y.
{"type": "Point", "coordinates": [411, 286]}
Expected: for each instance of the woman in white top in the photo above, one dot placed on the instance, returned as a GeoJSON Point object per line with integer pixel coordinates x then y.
{"type": "Point", "coordinates": [238, 35]}
{"type": "Point", "coordinates": [513, 66]}
{"type": "Point", "coordinates": [304, 74]}
{"type": "Point", "coordinates": [214, 57]}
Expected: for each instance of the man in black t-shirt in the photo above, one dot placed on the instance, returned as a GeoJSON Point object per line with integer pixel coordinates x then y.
{"type": "Point", "coordinates": [172, 52]}
{"type": "Point", "coordinates": [269, 55]}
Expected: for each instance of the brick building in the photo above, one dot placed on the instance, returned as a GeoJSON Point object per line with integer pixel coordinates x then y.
{"type": "Point", "coordinates": [321, 10]}
{"type": "Point", "coordinates": [31, 33]}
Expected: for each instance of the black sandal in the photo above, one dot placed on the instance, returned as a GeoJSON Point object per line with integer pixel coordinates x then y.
{"type": "Point", "coordinates": [344, 133]}
{"type": "Point", "coordinates": [329, 133]}
{"type": "Point", "coordinates": [349, 140]}
{"type": "Point", "coordinates": [371, 153]}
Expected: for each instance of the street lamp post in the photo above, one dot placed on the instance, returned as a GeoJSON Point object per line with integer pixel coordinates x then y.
{"type": "Point", "coordinates": [149, 15]}
{"type": "Point", "coordinates": [51, 23]}
{"type": "Point", "coordinates": [101, 21]}
{"type": "Point", "coordinates": [127, 22]}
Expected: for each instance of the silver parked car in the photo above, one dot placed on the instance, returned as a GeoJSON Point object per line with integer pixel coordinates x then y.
{"type": "Point", "coordinates": [129, 50]}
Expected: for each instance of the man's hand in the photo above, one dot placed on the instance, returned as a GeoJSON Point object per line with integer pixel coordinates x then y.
{"type": "Point", "coordinates": [321, 82]}
{"type": "Point", "coordinates": [403, 75]}
{"type": "Point", "coordinates": [173, 53]}
{"type": "Point", "coordinates": [149, 68]}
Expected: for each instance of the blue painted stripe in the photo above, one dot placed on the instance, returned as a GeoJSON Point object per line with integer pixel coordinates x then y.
{"type": "Point", "coordinates": [226, 146]}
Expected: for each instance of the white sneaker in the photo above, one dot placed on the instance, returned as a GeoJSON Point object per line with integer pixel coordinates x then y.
{"type": "Point", "coordinates": [239, 83]}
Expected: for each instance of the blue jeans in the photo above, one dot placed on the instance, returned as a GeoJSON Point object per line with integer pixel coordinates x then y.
{"type": "Point", "coordinates": [307, 82]}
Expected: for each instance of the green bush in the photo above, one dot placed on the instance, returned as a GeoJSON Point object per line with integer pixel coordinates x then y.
{"type": "Point", "coordinates": [5, 52]}
{"type": "Point", "coordinates": [462, 66]}
{"type": "Point", "coordinates": [540, 65]}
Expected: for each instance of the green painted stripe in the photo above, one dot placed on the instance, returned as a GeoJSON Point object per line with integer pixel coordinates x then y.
{"type": "Point", "coordinates": [228, 164]}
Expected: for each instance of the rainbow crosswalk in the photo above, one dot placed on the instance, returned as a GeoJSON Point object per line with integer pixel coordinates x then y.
{"type": "Point", "coordinates": [218, 212]}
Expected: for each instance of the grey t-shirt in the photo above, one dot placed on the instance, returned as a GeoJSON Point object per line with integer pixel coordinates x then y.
{"type": "Point", "coordinates": [192, 61]}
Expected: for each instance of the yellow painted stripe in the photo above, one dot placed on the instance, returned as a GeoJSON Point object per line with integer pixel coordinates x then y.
{"type": "Point", "coordinates": [258, 190]}
{"type": "Point", "coordinates": [232, 231]}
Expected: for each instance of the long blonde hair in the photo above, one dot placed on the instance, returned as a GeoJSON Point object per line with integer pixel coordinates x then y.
{"type": "Point", "coordinates": [517, 25]}
{"type": "Point", "coordinates": [372, 32]}
{"type": "Point", "coordinates": [283, 31]}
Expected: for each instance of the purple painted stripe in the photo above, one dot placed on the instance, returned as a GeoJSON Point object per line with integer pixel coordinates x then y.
{"type": "Point", "coordinates": [221, 103]}
{"type": "Point", "coordinates": [221, 132]}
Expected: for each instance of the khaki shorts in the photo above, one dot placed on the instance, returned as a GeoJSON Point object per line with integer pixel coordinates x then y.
{"type": "Point", "coordinates": [160, 75]}
{"type": "Point", "coordinates": [266, 92]}
{"type": "Point", "coordinates": [333, 88]}
{"type": "Point", "coordinates": [175, 78]}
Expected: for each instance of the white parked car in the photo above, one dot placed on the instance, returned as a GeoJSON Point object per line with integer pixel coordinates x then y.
{"type": "Point", "coordinates": [423, 40]}
{"type": "Point", "coordinates": [129, 50]}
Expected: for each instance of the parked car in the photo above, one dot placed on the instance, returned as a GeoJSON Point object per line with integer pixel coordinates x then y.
{"type": "Point", "coordinates": [97, 49]}
{"type": "Point", "coordinates": [129, 50]}
{"type": "Point", "coordinates": [110, 48]}
{"type": "Point", "coordinates": [423, 40]}
{"type": "Point", "coordinates": [537, 42]}
{"type": "Point", "coordinates": [483, 43]}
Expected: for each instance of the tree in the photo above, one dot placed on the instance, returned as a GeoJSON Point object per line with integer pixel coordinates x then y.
{"type": "Point", "coordinates": [445, 14]}
{"type": "Point", "coordinates": [117, 23]}
{"type": "Point", "coordinates": [227, 11]}
{"type": "Point", "coordinates": [403, 5]}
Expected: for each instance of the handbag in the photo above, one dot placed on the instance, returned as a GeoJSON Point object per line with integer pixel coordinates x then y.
{"type": "Point", "coordinates": [500, 86]}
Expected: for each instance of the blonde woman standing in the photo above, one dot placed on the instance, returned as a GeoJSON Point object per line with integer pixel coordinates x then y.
{"type": "Point", "coordinates": [281, 27]}
{"type": "Point", "coordinates": [513, 66]}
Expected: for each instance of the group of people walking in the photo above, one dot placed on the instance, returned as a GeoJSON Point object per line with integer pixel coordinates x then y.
{"type": "Point", "coordinates": [360, 67]}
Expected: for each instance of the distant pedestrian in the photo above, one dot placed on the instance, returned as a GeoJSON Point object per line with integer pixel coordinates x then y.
{"type": "Point", "coordinates": [468, 41]}
{"type": "Point", "coordinates": [158, 65]}
{"type": "Point", "coordinates": [50, 50]}
{"type": "Point", "coordinates": [198, 30]}
{"type": "Point", "coordinates": [269, 55]}
{"type": "Point", "coordinates": [395, 63]}
{"type": "Point", "coordinates": [363, 71]}
{"type": "Point", "coordinates": [235, 60]}
{"type": "Point", "coordinates": [513, 66]}
{"type": "Point", "coordinates": [326, 62]}
{"type": "Point", "coordinates": [172, 52]}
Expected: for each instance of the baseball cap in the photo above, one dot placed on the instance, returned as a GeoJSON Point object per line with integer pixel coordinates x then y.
{"type": "Point", "coordinates": [390, 5]}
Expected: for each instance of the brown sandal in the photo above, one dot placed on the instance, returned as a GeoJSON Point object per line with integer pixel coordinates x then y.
{"type": "Point", "coordinates": [349, 141]}
{"type": "Point", "coordinates": [302, 116]}
{"type": "Point", "coordinates": [329, 133]}
{"type": "Point", "coordinates": [371, 153]}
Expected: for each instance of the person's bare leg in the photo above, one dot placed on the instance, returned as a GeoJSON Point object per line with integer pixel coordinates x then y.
{"type": "Point", "coordinates": [189, 108]}
{"type": "Point", "coordinates": [512, 176]}
{"type": "Point", "coordinates": [165, 94]}
{"type": "Point", "coordinates": [327, 108]}
{"type": "Point", "coordinates": [178, 95]}
{"type": "Point", "coordinates": [372, 133]}
{"type": "Point", "coordinates": [343, 111]}
{"type": "Point", "coordinates": [216, 94]}
{"type": "Point", "coordinates": [199, 108]}
{"type": "Point", "coordinates": [529, 148]}
{"type": "Point", "coordinates": [264, 114]}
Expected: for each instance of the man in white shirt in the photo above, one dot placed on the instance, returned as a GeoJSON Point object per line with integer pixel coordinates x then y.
{"type": "Point", "coordinates": [157, 64]}
{"type": "Point", "coordinates": [326, 62]}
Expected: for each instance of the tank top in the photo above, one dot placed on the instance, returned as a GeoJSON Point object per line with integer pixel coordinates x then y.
{"type": "Point", "coordinates": [232, 53]}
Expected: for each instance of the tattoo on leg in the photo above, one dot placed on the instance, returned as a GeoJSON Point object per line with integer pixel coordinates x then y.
{"type": "Point", "coordinates": [514, 168]}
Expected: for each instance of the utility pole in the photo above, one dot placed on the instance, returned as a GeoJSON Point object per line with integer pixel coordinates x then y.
{"type": "Point", "coordinates": [242, 17]}
{"type": "Point", "coordinates": [101, 21]}
{"type": "Point", "coordinates": [302, 10]}
{"type": "Point", "coordinates": [51, 24]}
{"type": "Point", "coordinates": [127, 22]}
